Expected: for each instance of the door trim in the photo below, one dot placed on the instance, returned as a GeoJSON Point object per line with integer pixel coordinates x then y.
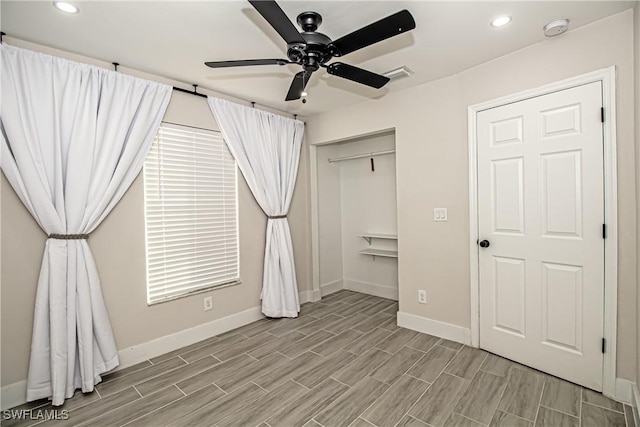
{"type": "Point", "coordinates": [607, 76]}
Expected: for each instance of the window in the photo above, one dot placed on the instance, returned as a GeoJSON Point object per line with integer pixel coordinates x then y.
{"type": "Point", "coordinates": [191, 211]}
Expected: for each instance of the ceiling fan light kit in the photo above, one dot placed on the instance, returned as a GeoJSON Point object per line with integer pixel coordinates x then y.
{"type": "Point", "coordinates": [312, 50]}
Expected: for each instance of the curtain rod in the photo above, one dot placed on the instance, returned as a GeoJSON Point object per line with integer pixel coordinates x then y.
{"type": "Point", "coordinates": [190, 92]}
{"type": "Point", "coordinates": [361, 156]}
{"type": "Point", "coordinates": [193, 92]}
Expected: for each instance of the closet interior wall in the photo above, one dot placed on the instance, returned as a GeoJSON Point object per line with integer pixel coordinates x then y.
{"type": "Point", "coordinates": [354, 200]}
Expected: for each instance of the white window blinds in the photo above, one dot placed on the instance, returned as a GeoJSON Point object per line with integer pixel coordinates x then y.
{"type": "Point", "coordinates": [191, 211]}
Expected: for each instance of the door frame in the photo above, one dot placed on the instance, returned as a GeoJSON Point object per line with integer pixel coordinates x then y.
{"type": "Point", "coordinates": [607, 77]}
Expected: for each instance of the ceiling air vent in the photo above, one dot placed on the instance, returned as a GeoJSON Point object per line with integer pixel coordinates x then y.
{"type": "Point", "coordinates": [398, 73]}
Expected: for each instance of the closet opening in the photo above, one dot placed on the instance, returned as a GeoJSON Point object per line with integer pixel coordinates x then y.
{"type": "Point", "coordinates": [355, 237]}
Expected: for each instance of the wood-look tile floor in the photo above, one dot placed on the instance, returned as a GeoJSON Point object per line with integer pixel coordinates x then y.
{"type": "Point", "coordinates": [343, 362]}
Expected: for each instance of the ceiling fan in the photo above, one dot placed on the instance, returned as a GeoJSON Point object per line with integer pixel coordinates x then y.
{"type": "Point", "coordinates": [313, 50]}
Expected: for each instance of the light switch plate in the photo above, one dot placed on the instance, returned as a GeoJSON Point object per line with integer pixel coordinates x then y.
{"type": "Point", "coordinates": [439, 214]}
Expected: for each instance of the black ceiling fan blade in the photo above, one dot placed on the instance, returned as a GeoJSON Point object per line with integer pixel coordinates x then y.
{"type": "Point", "coordinates": [357, 75]}
{"type": "Point", "coordinates": [276, 17]}
{"type": "Point", "coordinates": [298, 84]}
{"type": "Point", "coordinates": [246, 62]}
{"type": "Point", "coordinates": [383, 29]}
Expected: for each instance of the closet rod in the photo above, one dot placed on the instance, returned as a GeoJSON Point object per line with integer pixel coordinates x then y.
{"type": "Point", "coordinates": [361, 156]}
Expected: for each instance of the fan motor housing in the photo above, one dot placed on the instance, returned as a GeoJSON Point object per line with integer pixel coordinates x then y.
{"type": "Point", "coordinates": [314, 53]}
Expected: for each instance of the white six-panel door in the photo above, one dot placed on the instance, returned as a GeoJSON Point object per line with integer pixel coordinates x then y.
{"type": "Point", "coordinates": [541, 209]}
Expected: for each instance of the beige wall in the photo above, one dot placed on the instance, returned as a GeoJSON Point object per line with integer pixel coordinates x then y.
{"type": "Point", "coordinates": [432, 167]}
{"type": "Point", "coordinates": [118, 247]}
{"type": "Point", "coordinates": [329, 216]}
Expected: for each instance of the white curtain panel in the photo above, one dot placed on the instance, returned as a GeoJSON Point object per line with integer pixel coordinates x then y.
{"type": "Point", "coordinates": [267, 149]}
{"type": "Point", "coordinates": [74, 137]}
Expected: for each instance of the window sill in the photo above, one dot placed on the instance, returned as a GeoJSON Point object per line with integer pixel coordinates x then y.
{"type": "Point", "coordinates": [199, 291]}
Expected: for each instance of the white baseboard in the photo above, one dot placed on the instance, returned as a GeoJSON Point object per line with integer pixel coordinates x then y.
{"type": "Point", "coordinates": [435, 328]}
{"type": "Point", "coordinates": [159, 346]}
{"type": "Point", "coordinates": [371, 289]}
{"type": "Point", "coordinates": [15, 394]}
{"type": "Point", "coordinates": [331, 287]}
{"type": "Point", "coordinates": [305, 296]}
{"type": "Point", "coordinates": [624, 391]}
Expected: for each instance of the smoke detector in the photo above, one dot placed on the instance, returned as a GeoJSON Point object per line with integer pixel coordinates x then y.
{"type": "Point", "coordinates": [398, 73]}
{"type": "Point", "coordinates": [555, 28]}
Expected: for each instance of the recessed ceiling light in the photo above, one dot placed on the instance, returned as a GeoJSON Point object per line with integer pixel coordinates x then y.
{"type": "Point", "coordinates": [65, 7]}
{"type": "Point", "coordinates": [304, 93]}
{"type": "Point", "coordinates": [500, 21]}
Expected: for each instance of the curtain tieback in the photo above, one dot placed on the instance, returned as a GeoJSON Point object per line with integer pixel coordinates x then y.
{"type": "Point", "coordinates": [276, 216]}
{"type": "Point", "coordinates": [69, 236]}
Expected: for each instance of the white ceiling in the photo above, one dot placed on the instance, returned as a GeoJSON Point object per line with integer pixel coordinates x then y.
{"type": "Point", "coordinates": [174, 39]}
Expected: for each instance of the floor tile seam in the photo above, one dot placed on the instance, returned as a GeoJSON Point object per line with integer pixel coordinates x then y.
{"type": "Point", "coordinates": [557, 410]}
{"type": "Point", "coordinates": [316, 421]}
{"type": "Point", "coordinates": [215, 400]}
{"type": "Point", "coordinates": [194, 374]}
{"type": "Point", "coordinates": [254, 383]}
{"type": "Point", "coordinates": [261, 373]}
{"type": "Point", "coordinates": [580, 410]}
{"type": "Point", "coordinates": [519, 417]}
{"type": "Point", "coordinates": [387, 391]}
{"type": "Point", "coordinates": [469, 381]}
{"type": "Point", "coordinates": [104, 383]}
{"type": "Point", "coordinates": [504, 390]}
{"type": "Point", "coordinates": [544, 384]}
{"type": "Point", "coordinates": [419, 379]}
{"type": "Point", "coordinates": [417, 349]}
{"type": "Point", "coordinates": [605, 408]}
{"type": "Point", "coordinates": [152, 377]}
{"type": "Point", "coordinates": [88, 422]}
{"type": "Point", "coordinates": [469, 418]}
{"type": "Point", "coordinates": [442, 371]}
{"type": "Point", "coordinates": [539, 401]}
{"type": "Point", "coordinates": [372, 403]}
{"type": "Point", "coordinates": [245, 352]}
{"type": "Point", "coordinates": [302, 385]}
{"type": "Point", "coordinates": [416, 402]}
{"type": "Point", "coordinates": [138, 391]}
{"type": "Point", "coordinates": [365, 420]}
{"type": "Point", "coordinates": [241, 410]}
{"type": "Point", "coordinates": [412, 366]}
{"type": "Point", "coordinates": [156, 409]}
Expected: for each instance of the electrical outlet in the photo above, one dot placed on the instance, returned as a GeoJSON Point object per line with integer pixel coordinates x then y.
{"type": "Point", "coordinates": [422, 296]}
{"type": "Point", "coordinates": [439, 214]}
{"type": "Point", "coordinates": [208, 303]}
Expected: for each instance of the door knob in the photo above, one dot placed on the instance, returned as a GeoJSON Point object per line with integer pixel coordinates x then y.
{"type": "Point", "coordinates": [484, 244]}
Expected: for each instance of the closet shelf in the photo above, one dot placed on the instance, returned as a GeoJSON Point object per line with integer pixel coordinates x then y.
{"type": "Point", "coordinates": [369, 236]}
{"type": "Point", "coordinates": [379, 252]}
